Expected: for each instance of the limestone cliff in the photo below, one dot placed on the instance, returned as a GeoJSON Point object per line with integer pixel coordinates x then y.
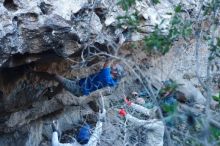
{"type": "Point", "coordinates": [70, 38]}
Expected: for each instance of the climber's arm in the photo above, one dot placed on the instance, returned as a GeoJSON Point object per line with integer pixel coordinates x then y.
{"type": "Point", "coordinates": [149, 124]}
{"type": "Point", "coordinates": [138, 108]}
{"type": "Point", "coordinates": [98, 129]}
{"type": "Point", "coordinates": [96, 134]}
{"type": "Point", "coordinates": [135, 121]}
{"type": "Point", "coordinates": [70, 85]}
{"type": "Point", "coordinates": [154, 124]}
{"type": "Point", "coordinates": [141, 109]}
{"type": "Point", "coordinates": [55, 140]}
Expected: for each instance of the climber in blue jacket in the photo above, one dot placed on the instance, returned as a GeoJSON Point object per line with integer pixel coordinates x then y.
{"type": "Point", "coordinates": [109, 75]}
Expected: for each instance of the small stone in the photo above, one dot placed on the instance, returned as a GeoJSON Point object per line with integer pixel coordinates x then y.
{"type": "Point", "coordinates": [134, 93]}
{"type": "Point", "coordinates": [214, 104]}
{"type": "Point", "coordinates": [200, 107]}
{"type": "Point", "coordinates": [140, 100]}
{"type": "Point", "coordinates": [190, 91]}
{"type": "Point", "coordinates": [109, 21]}
{"type": "Point", "coordinates": [65, 8]}
{"type": "Point", "coordinates": [96, 24]}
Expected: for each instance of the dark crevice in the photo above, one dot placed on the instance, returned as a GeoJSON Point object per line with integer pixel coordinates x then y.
{"type": "Point", "coordinates": [15, 19]}
{"type": "Point", "coordinates": [23, 59]}
{"type": "Point", "coordinates": [31, 17]}
{"type": "Point", "coordinates": [45, 8]}
{"type": "Point", "coordinates": [10, 5]}
{"type": "Point", "coordinates": [10, 75]}
{"type": "Point", "coordinates": [101, 13]}
{"type": "Point", "coordinates": [52, 114]}
{"type": "Point", "coordinates": [52, 91]}
{"type": "Point", "coordinates": [1, 95]}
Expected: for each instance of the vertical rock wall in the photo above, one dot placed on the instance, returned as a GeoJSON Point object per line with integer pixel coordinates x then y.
{"type": "Point", "coordinates": [60, 36]}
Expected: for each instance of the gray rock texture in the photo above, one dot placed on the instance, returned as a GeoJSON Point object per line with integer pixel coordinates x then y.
{"type": "Point", "coordinates": [64, 37]}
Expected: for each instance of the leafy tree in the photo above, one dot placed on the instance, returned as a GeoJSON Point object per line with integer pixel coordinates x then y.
{"type": "Point", "coordinates": [126, 4]}
{"type": "Point", "coordinates": [158, 41]}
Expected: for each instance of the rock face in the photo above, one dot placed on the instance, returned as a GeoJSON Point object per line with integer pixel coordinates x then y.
{"type": "Point", "coordinates": [56, 36]}
{"type": "Point", "coordinates": [66, 26]}
{"type": "Point", "coordinates": [37, 26]}
{"type": "Point", "coordinates": [39, 34]}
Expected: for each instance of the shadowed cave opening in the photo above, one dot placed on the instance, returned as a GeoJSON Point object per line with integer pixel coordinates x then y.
{"type": "Point", "coordinates": [10, 5]}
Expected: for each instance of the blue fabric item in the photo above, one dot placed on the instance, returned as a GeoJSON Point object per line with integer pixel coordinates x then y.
{"type": "Point", "coordinates": [97, 81]}
{"type": "Point", "coordinates": [169, 121]}
{"type": "Point", "coordinates": [143, 93]}
{"type": "Point", "coordinates": [84, 134]}
{"type": "Point", "coordinates": [170, 100]}
{"type": "Point", "coordinates": [168, 105]}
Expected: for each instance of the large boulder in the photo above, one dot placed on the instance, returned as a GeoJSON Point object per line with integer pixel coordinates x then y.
{"type": "Point", "coordinates": [190, 91]}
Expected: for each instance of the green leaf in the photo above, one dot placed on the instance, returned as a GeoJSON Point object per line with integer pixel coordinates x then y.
{"type": "Point", "coordinates": [176, 20]}
{"type": "Point", "coordinates": [188, 32]}
{"type": "Point", "coordinates": [218, 41]}
{"type": "Point", "coordinates": [169, 108]}
{"type": "Point", "coordinates": [215, 133]}
{"type": "Point", "coordinates": [178, 9]}
{"type": "Point", "coordinates": [155, 1]}
{"type": "Point", "coordinates": [217, 97]}
{"type": "Point", "coordinates": [126, 4]}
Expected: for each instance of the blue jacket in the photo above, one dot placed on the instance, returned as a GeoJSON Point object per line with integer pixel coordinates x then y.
{"type": "Point", "coordinates": [97, 81]}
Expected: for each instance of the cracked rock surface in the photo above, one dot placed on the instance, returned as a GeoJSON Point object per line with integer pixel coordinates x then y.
{"type": "Point", "coordinates": [52, 35]}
